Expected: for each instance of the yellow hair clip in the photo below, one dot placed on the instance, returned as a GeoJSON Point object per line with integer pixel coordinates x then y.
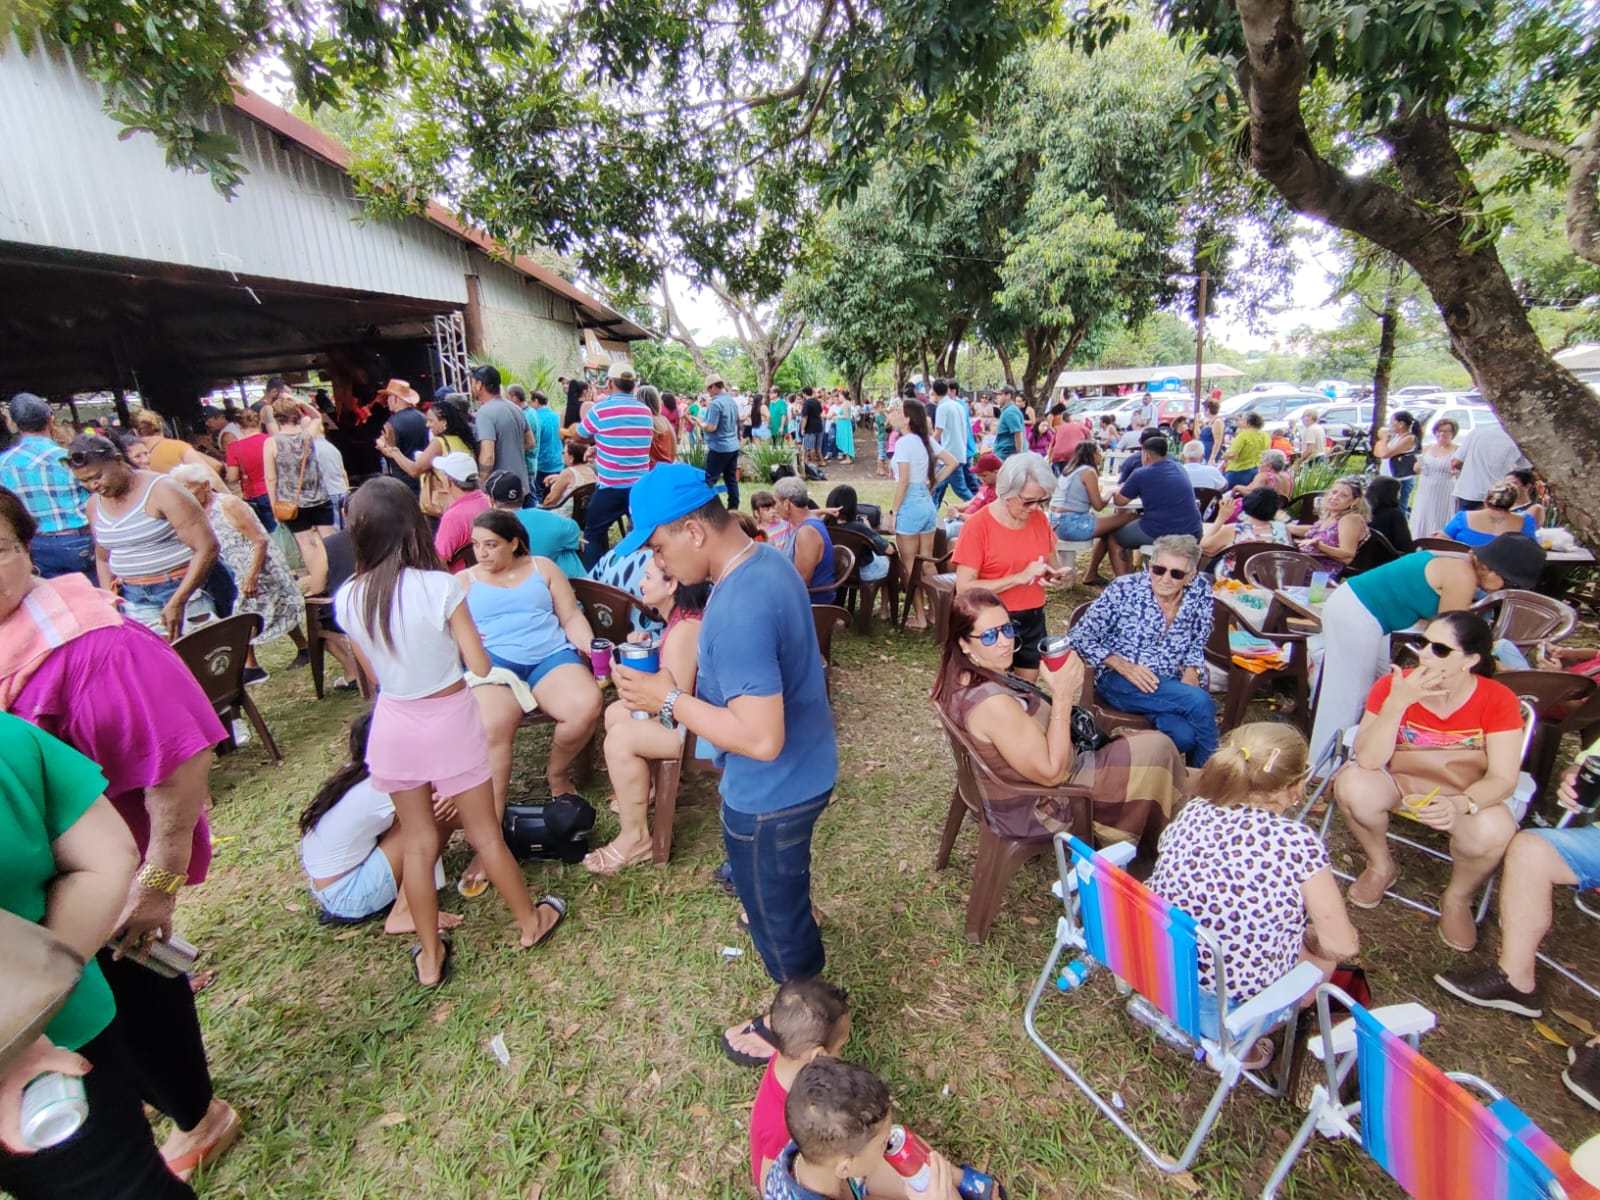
{"type": "Point", "coordinates": [1244, 753]}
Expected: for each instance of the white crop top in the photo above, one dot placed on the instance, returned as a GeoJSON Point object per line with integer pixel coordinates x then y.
{"type": "Point", "coordinates": [424, 658]}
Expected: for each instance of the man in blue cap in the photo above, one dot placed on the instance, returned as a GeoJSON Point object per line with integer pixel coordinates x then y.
{"type": "Point", "coordinates": [760, 700]}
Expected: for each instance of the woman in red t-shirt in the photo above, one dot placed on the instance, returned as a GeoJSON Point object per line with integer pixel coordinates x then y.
{"type": "Point", "coordinates": [1010, 549]}
{"type": "Point", "coordinates": [1447, 733]}
{"type": "Point", "coordinates": [244, 466]}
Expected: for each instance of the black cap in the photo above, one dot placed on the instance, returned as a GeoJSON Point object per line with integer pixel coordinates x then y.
{"type": "Point", "coordinates": [1515, 557]}
{"type": "Point", "coordinates": [504, 487]}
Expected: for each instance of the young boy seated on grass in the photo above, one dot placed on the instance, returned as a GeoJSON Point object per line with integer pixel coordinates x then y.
{"type": "Point", "coordinates": [810, 1018]}
{"type": "Point", "coordinates": [839, 1117]}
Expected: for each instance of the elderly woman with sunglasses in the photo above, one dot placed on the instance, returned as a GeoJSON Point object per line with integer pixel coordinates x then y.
{"type": "Point", "coordinates": [1136, 780]}
{"type": "Point", "coordinates": [1009, 548]}
{"type": "Point", "coordinates": [1444, 741]}
{"type": "Point", "coordinates": [1146, 638]}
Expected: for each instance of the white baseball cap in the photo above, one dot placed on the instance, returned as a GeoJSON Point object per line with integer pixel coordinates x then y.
{"type": "Point", "coordinates": [458, 465]}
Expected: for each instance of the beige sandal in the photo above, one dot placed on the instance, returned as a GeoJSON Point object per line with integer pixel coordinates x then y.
{"type": "Point", "coordinates": [1369, 897]}
{"type": "Point", "coordinates": [608, 860]}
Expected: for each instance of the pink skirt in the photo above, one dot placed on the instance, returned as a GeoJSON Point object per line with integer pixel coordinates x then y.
{"type": "Point", "coordinates": [436, 741]}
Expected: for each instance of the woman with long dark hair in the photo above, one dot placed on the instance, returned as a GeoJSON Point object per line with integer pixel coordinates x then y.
{"type": "Point", "coordinates": [631, 746]}
{"type": "Point", "coordinates": [1444, 741]}
{"type": "Point", "coordinates": [1398, 443]}
{"type": "Point", "coordinates": [1137, 780]}
{"type": "Point", "coordinates": [449, 430]}
{"type": "Point", "coordinates": [918, 469]}
{"type": "Point", "coordinates": [580, 395]}
{"type": "Point", "coordinates": [350, 844]}
{"type": "Point", "coordinates": [408, 621]}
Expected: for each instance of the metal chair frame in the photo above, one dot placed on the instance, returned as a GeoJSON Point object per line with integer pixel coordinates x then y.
{"type": "Point", "coordinates": [1237, 1030]}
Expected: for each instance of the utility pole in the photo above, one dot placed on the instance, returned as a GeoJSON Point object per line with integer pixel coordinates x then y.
{"type": "Point", "coordinates": [1199, 340]}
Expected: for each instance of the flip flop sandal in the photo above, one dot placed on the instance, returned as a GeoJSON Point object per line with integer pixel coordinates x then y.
{"type": "Point", "coordinates": [757, 1027]}
{"type": "Point", "coordinates": [187, 1164]}
{"type": "Point", "coordinates": [560, 906]}
{"type": "Point", "coordinates": [444, 967]}
{"type": "Point", "coordinates": [608, 861]}
{"type": "Point", "coordinates": [1260, 1056]}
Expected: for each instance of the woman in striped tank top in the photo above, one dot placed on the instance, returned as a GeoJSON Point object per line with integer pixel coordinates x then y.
{"type": "Point", "coordinates": [152, 543]}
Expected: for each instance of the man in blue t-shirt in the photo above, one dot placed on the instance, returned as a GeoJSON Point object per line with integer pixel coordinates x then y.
{"type": "Point", "coordinates": [1168, 497]}
{"type": "Point", "coordinates": [721, 426]}
{"type": "Point", "coordinates": [760, 699]}
{"type": "Point", "coordinates": [546, 426]}
{"type": "Point", "coordinates": [1010, 430]}
{"type": "Point", "coordinates": [950, 419]}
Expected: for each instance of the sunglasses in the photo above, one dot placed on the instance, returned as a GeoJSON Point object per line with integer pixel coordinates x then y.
{"type": "Point", "coordinates": [1179, 574]}
{"type": "Point", "coordinates": [1438, 649]}
{"type": "Point", "coordinates": [990, 636]}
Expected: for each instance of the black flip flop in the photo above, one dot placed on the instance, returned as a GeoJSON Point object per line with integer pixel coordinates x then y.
{"type": "Point", "coordinates": [444, 967]}
{"type": "Point", "coordinates": [759, 1028]}
{"type": "Point", "coordinates": [560, 905]}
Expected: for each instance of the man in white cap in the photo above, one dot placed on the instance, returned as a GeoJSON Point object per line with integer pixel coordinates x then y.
{"type": "Point", "coordinates": [463, 500]}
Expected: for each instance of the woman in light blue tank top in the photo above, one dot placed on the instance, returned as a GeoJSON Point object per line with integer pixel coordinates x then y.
{"type": "Point", "coordinates": [532, 627]}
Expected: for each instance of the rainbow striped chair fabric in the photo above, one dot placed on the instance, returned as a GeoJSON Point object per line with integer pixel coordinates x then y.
{"type": "Point", "coordinates": [1421, 1124]}
{"type": "Point", "coordinates": [1151, 947]}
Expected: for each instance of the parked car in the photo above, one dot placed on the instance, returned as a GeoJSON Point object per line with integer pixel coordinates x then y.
{"type": "Point", "coordinates": [1274, 407]}
{"type": "Point", "coordinates": [1275, 385]}
{"type": "Point", "coordinates": [1173, 404]}
{"type": "Point", "coordinates": [1415, 391]}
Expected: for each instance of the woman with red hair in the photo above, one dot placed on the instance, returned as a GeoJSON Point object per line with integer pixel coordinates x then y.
{"type": "Point", "coordinates": [1137, 779]}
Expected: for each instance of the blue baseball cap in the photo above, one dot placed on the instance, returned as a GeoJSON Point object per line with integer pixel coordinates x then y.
{"type": "Point", "coordinates": [669, 493]}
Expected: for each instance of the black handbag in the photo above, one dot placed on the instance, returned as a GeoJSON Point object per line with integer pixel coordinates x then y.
{"type": "Point", "coordinates": [554, 832]}
{"type": "Point", "coordinates": [1087, 737]}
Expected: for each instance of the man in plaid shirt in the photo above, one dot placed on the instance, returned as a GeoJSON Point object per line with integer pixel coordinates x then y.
{"type": "Point", "coordinates": [35, 468]}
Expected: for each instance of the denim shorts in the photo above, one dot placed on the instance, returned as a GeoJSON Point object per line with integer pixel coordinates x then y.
{"type": "Point", "coordinates": [532, 675]}
{"type": "Point", "coordinates": [143, 602]}
{"type": "Point", "coordinates": [1208, 1017]}
{"type": "Point", "coordinates": [1074, 527]}
{"type": "Point", "coordinates": [917, 513]}
{"type": "Point", "coordinates": [875, 570]}
{"type": "Point", "coordinates": [361, 892]}
{"type": "Point", "coordinates": [1579, 849]}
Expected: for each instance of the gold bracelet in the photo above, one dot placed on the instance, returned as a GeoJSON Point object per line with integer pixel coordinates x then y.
{"type": "Point", "coordinates": [158, 879]}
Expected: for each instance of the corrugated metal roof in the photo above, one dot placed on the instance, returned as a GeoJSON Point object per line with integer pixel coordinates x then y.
{"type": "Point", "coordinates": [70, 184]}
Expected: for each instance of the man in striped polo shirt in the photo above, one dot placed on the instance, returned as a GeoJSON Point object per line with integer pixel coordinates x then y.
{"type": "Point", "coordinates": [620, 426]}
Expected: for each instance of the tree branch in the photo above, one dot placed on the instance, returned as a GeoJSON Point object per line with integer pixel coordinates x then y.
{"type": "Point", "coordinates": [1518, 137]}
{"type": "Point", "coordinates": [1583, 197]}
{"type": "Point", "coordinates": [680, 333]}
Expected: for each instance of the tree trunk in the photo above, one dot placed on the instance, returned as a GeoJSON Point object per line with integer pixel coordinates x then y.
{"type": "Point", "coordinates": [1005, 363]}
{"type": "Point", "coordinates": [899, 372]}
{"type": "Point", "coordinates": [1553, 418]}
{"type": "Point", "coordinates": [1388, 324]}
{"type": "Point", "coordinates": [927, 374]}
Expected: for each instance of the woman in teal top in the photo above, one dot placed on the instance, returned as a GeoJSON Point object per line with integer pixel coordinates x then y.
{"type": "Point", "coordinates": [66, 862]}
{"type": "Point", "coordinates": [1360, 616]}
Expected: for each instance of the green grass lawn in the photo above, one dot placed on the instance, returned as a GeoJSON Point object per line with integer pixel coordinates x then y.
{"type": "Point", "coordinates": [354, 1083]}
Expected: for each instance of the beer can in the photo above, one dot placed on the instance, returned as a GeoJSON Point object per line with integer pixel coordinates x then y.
{"type": "Point", "coordinates": [1587, 784]}
{"type": "Point", "coordinates": [54, 1108]}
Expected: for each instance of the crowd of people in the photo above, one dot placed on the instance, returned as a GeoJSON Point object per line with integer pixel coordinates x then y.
{"type": "Point", "coordinates": [445, 553]}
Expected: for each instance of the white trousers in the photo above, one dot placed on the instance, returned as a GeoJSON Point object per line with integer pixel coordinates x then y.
{"type": "Point", "coordinates": [1356, 657]}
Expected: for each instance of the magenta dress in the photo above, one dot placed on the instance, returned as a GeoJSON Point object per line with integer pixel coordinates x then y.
{"type": "Point", "coordinates": [122, 697]}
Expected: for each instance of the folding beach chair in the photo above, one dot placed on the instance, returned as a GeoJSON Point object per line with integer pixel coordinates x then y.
{"type": "Point", "coordinates": [1152, 947]}
{"type": "Point", "coordinates": [1419, 1123]}
{"type": "Point", "coordinates": [1342, 750]}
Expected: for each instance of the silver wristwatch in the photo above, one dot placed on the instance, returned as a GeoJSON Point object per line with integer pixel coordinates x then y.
{"type": "Point", "coordinates": [667, 706]}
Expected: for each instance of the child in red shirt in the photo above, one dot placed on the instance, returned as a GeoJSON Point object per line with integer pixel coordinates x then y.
{"type": "Point", "coordinates": [809, 1018]}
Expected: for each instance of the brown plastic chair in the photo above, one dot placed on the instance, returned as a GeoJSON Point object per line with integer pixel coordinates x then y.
{"type": "Point", "coordinates": [580, 496]}
{"type": "Point", "coordinates": [826, 618]}
{"type": "Point", "coordinates": [1280, 568]}
{"type": "Point", "coordinates": [844, 566]}
{"type": "Point", "coordinates": [1107, 718]}
{"type": "Point", "coordinates": [666, 780]}
{"type": "Point", "coordinates": [319, 632]}
{"type": "Point", "coordinates": [609, 610]}
{"type": "Point", "coordinates": [463, 557]}
{"type": "Point", "coordinates": [215, 655]}
{"type": "Point", "coordinates": [982, 793]}
{"type": "Point", "coordinates": [1302, 509]}
{"type": "Point", "coordinates": [859, 595]}
{"type": "Point", "coordinates": [1236, 556]}
{"type": "Point", "coordinates": [1244, 684]}
{"type": "Point", "coordinates": [942, 590]}
{"type": "Point", "coordinates": [1527, 618]}
{"type": "Point", "coordinates": [938, 563]}
{"type": "Point", "coordinates": [1206, 497]}
{"type": "Point", "coordinates": [1557, 698]}
{"type": "Point", "coordinates": [1442, 545]}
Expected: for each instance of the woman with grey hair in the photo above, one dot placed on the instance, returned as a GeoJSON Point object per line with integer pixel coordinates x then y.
{"type": "Point", "coordinates": [1273, 473]}
{"type": "Point", "coordinates": [1146, 638]}
{"type": "Point", "coordinates": [1009, 548]}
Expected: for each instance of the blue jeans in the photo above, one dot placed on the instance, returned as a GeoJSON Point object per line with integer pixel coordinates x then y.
{"type": "Point", "coordinates": [955, 482]}
{"type": "Point", "coordinates": [723, 465]}
{"type": "Point", "coordinates": [1185, 713]}
{"type": "Point", "coordinates": [143, 602]}
{"type": "Point", "coordinates": [63, 553]}
{"type": "Point", "coordinates": [1240, 478]}
{"type": "Point", "coordinates": [770, 858]}
{"type": "Point", "coordinates": [1406, 485]}
{"type": "Point", "coordinates": [262, 505]}
{"type": "Point", "coordinates": [607, 506]}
